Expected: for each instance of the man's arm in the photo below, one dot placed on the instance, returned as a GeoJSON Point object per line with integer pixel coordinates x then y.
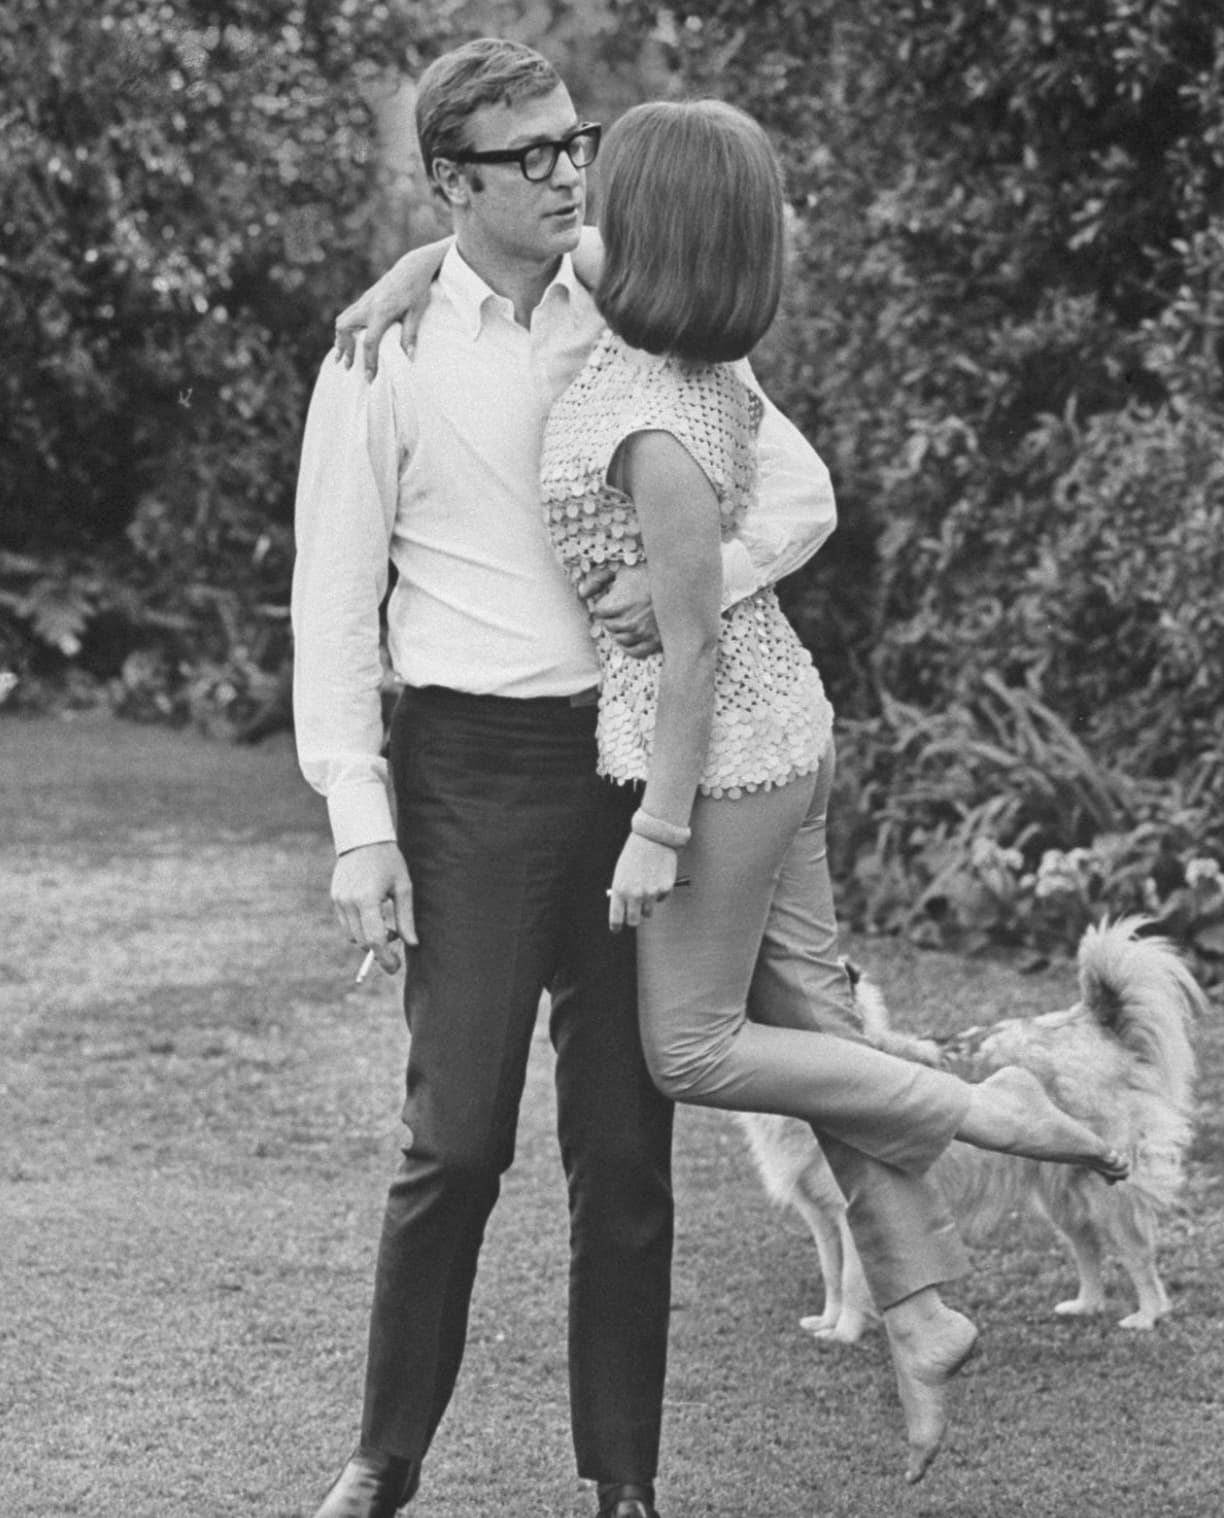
{"type": "Point", "coordinates": [346, 502]}
{"type": "Point", "coordinates": [795, 511]}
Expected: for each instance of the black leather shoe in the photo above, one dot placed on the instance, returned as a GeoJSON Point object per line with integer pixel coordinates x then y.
{"type": "Point", "coordinates": [371, 1485]}
{"type": "Point", "coordinates": [628, 1501]}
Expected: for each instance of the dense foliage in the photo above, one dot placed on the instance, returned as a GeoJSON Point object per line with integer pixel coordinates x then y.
{"type": "Point", "coordinates": [1005, 335]}
{"type": "Point", "coordinates": [185, 196]}
{"type": "Point", "coordinates": [1003, 332]}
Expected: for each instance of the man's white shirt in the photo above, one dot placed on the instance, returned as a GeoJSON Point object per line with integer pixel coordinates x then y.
{"type": "Point", "coordinates": [434, 467]}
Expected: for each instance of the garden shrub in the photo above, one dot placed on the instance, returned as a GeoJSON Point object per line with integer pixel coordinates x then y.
{"type": "Point", "coordinates": [1003, 332]}
{"type": "Point", "coordinates": [186, 197]}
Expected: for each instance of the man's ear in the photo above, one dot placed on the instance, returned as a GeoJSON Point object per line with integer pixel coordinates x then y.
{"type": "Point", "coordinates": [451, 182]}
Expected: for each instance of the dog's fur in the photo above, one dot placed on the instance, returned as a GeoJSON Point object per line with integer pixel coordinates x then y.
{"type": "Point", "coordinates": [1120, 1060]}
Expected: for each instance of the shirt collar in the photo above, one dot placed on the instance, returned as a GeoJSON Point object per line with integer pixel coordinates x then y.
{"type": "Point", "coordinates": [469, 294]}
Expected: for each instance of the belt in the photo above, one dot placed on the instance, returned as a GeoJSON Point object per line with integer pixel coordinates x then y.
{"type": "Point", "coordinates": [443, 695]}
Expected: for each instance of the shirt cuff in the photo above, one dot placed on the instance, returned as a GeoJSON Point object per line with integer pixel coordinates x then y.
{"type": "Point", "coordinates": [359, 815]}
{"type": "Point", "coordinates": [740, 575]}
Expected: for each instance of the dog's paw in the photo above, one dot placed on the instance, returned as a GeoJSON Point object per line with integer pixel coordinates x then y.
{"type": "Point", "coordinates": [1141, 1321]}
{"type": "Point", "coordinates": [845, 1328]}
{"type": "Point", "coordinates": [1080, 1307]}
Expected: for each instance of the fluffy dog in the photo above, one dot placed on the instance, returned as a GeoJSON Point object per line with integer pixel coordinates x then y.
{"type": "Point", "coordinates": [1119, 1060]}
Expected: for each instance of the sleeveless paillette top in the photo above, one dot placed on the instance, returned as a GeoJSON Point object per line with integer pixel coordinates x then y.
{"type": "Point", "coordinates": [772, 720]}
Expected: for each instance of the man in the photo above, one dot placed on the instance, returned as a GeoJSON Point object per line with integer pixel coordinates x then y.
{"type": "Point", "coordinates": [495, 872]}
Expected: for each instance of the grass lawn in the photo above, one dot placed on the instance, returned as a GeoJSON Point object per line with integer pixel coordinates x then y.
{"type": "Point", "coordinates": [198, 1115]}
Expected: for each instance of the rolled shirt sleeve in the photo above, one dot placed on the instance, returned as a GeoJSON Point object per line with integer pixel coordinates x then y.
{"type": "Point", "coordinates": [795, 512]}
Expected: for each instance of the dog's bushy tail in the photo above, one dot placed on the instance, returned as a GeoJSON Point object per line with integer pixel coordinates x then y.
{"type": "Point", "coordinates": [1142, 993]}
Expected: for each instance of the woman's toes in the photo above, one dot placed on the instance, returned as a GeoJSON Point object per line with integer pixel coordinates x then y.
{"type": "Point", "coordinates": [1115, 1166]}
{"type": "Point", "coordinates": [1013, 1112]}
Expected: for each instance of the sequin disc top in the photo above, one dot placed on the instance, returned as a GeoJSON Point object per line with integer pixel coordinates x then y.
{"type": "Point", "coordinates": [772, 720]}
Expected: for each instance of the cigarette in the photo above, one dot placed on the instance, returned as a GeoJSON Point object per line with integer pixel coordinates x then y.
{"type": "Point", "coordinates": [367, 964]}
{"type": "Point", "coordinates": [680, 880]}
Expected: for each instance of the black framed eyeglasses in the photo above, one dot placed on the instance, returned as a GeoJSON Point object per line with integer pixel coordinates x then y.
{"type": "Point", "coordinates": [538, 159]}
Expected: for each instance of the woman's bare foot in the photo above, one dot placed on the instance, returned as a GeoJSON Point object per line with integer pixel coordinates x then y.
{"type": "Point", "coordinates": [1010, 1111]}
{"type": "Point", "coordinates": [930, 1342]}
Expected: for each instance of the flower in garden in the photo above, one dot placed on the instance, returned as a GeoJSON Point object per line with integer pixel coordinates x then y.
{"type": "Point", "coordinates": [1063, 874]}
{"type": "Point", "coordinates": [1203, 873]}
{"type": "Point", "coordinates": [985, 853]}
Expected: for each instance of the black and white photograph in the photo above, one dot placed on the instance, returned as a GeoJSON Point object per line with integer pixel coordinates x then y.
{"type": "Point", "coordinates": [612, 759]}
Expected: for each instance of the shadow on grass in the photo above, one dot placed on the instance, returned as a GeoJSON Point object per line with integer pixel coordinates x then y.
{"type": "Point", "coordinates": [198, 1120]}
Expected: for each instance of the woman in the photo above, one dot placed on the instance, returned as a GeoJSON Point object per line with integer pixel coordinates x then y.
{"type": "Point", "coordinates": [650, 456]}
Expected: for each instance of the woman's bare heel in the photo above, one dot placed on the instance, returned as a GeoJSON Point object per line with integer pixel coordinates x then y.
{"type": "Point", "coordinates": [930, 1343]}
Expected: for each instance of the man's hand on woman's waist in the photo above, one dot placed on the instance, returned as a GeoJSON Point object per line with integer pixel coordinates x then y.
{"type": "Point", "coordinates": [618, 597]}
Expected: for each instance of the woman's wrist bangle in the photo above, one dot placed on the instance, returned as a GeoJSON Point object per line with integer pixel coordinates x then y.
{"type": "Point", "coordinates": [658, 830]}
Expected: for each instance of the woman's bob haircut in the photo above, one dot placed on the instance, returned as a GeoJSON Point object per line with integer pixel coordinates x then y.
{"type": "Point", "coordinates": [692, 225]}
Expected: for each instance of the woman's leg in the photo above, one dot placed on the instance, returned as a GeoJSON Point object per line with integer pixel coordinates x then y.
{"type": "Point", "coordinates": [697, 955]}
{"type": "Point", "coordinates": [697, 958]}
{"type": "Point", "coordinates": [758, 923]}
{"type": "Point", "coordinates": [904, 1232]}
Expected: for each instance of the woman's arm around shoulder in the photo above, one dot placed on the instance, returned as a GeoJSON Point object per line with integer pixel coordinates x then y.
{"type": "Point", "coordinates": [400, 295]}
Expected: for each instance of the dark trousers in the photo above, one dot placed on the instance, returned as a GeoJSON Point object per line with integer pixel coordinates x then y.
{"type": "Point", "coordinates": [510, 840]}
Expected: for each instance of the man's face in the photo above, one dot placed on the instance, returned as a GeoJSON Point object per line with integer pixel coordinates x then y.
{"type": "Point", "coordinates": [509, 214]}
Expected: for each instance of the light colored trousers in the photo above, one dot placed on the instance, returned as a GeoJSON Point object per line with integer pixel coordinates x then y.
{"type": "Point", "coordinates": [744, 1004]}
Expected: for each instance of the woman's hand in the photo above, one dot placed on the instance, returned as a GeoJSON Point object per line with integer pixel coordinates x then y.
{"type": "Point", "coordinates": [645, 873]}
{"type": "Point", "coordinates": [401, 295]}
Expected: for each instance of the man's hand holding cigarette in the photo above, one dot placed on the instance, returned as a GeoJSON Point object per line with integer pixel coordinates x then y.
{"type": "Point", "coordinates": [372, 897]}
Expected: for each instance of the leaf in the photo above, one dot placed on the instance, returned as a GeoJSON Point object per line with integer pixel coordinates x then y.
{"type": "Point", "coordinates": [1210, 939]}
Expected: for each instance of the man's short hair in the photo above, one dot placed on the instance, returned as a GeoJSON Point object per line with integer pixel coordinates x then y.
{"type": "Point", "coordinates": [487, 71]}
{"type": "Point", "coordinates": [693, 231]}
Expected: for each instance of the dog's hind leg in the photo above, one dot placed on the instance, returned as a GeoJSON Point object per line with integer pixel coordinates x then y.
{"type": "Point", "coordinates": [1085, 1245]}
{"type": "Point", "coordinates": [848, 1308]}
{"type": "Point", "coordinates": [1132, 1229]}
{"type": "Point", "coordinates": [827, 1235]}
{"type": "Point", "coordinates": [859, 1311]}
